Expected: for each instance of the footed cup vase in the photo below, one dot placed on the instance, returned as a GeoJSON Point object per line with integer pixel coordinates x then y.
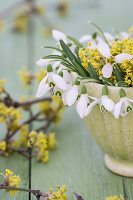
{"type": "Point", "coordinates": [114, 136]}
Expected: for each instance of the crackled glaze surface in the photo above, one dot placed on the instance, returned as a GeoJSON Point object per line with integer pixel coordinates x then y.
{"type": "Point", "coordinates": [114, 136]}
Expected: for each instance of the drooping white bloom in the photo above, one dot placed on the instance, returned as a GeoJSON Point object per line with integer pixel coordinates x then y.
{"type": "Point", "coordinates": [44, 62]}
{"type": "Point", "coordinates": [89, 38]}
{"type": "Point", "coordinates": [82, 104]}
{"type": "Point", "coordinates": [44, 87]}
{"type": "Point", "coordinates": [71, 95]}
{"type": "Point", "coordinates": [48, 82]}
{"type": "Point", "coordinates": [105, 103]}
{"type": "Point", "coordinates": [123, 106]}
{"type": "Point", "coordinates": [108, 37]}
{"type": "Point", "coordinates": [57, 35]}
{"type": "Point", "coordinates": [104, 49]}
{"type": "Point", "coordinates": [124, 35]}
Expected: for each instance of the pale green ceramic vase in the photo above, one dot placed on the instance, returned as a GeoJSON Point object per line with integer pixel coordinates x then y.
{"type": "Point", "coordinates": [114, 136]}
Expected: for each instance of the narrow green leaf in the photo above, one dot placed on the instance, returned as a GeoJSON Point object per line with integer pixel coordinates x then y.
{"type": "Point", "coordinates": [67, 51]}
{"type": "Point", "coordinates": [92, 71]}
{"type": "Point", "coordinates": [89, 79]}
{"type": "Point", "coordinates": [76, 42]}
{"type": "Point", "coordinates": [99, 31]}
{"type": "Point", "coordinates": [122, 84]}
{"type": "Point", "coordinates": [118, 75]}
{"type": "Point", "coordinates": [53, 57]}
{"type": "Point", "coordinates": [119, 69]}
{"type": "Point", "coordinates": [107, 81]}
{"type": "Point", "coordinates": [73, 59]}
{"type": "Point", "coordinates": [68, 66]}
{"type": "Point", "coordinates": [53, 48]}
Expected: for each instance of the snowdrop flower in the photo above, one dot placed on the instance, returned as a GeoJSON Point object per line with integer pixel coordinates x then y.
{"type": "Point", "coordinates": [124, 35]}
{"type": "Point", "coordinates": [106, 104]}
{"type": "Point", "coordinates": [107, 69]}
{"type": "Point", "coordinates": [108, 37]}
{"type": "Point", "coordinates": [44, 62]}
{"type": "Point", "coordinates": [82, 103]}
{"type": "Point", "coordinates": [57, 35]}
{"type": "Point", "coordinates": [123, 106]}
{"type": "Point", "coordinates": [90, 39]}
{"type": "Point", "coordinates": [49, 81]}
{"type": "Point", "coordinates": [72, 94]}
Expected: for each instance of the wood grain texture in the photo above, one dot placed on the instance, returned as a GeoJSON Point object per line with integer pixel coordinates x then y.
{"type": "Point", "coordinates": [78, 161]}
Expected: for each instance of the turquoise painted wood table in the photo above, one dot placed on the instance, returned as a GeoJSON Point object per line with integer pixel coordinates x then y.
{"type": "Point", "coordinates": [78, 162]}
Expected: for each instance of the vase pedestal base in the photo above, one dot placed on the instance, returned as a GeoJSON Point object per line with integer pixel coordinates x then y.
{"type": "Point", "coordinates": [120, 167]}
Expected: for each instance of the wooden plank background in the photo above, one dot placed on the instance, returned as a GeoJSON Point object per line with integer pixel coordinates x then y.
{"type": "Point", "coordinates": [78, 161]}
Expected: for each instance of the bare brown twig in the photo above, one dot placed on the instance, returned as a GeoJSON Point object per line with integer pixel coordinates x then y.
{"type": "Point", "coordinates": [37, 193]}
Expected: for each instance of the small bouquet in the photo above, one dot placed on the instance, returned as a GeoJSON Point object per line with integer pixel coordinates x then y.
{"type": "Point", "coordinates": [100, 58]}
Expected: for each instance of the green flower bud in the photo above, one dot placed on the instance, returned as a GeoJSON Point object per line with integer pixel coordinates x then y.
{"type": "Point", "coordinates": [60, 73]}
{"type": "Point", "coordinates": [94, 35]}
{"type": "Point", "coordinates": [77, 82]}
{"type": "Point", "coordinates": [49, 68]}
{"type": "Point", "coordinates": [122, 93]}
{"type": "Point", "coordinates": [83, 89]}
{"type": "Point", "coordinates": [104, 90]}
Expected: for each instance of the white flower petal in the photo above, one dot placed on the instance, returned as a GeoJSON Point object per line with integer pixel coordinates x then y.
{"type": "Point", "coordinates": [64, 98]}
{"type": "Point", "coordinates": [107, 70]}
{"type": "Point", "coordinates": [67, 77]}
{"type": "Point", "coordinates": [72, 95]}
{"type": "Point", "coordinates": [130, 100]}
{"type": "Point", "coordinates": [42, 62]}
{"type": "Point", "coordinates": [59, 81]}
{"type": "Point", "coordinates": [85, 38]}
{"type": "Point", "coordinates": [94, 98]}
{"type": "Point", "coordinates": [117, 108]}
{"type": "Point", "coordinates": [43, 87]}
{"type": "Point", "coordinates": [90, 107]}
{"type": "Point", "coordinates": [104, 49]}
{"type": "Point", "coordinates": [122, 56]}
{"type": "Point", "coordinates": [81, 106]}
{"type": "Point", "coordinates": [108, 103]}
{"type": "Point", "coordinates": [57, 35]}
{"type": "Point", "coordinates": [55, 64]}
{"type": "Point", "coordinates": [124, 35]}
{"type": "Point", "coordinates": [108, 36]}
{"type": "Point", "coordinates": [125, 107]}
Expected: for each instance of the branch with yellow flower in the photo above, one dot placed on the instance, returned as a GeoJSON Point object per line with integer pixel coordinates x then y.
{"type": "Point", "coordinates": [11, 184]}
{"type": "Point", "coordinates": [17, 115]}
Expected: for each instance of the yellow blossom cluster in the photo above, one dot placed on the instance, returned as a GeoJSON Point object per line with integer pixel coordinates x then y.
{"type": "Point", "coordinates": [2, 25]}
{"type": "Point", "coordinates": [10, 116]}
{"type": "Point", "coordinates": [41, 147]}
{"type": "Point", "coordinates": [62, 8]}
{"type": "Point", "coordinates": [93, 56]}
{"type": "Point", "coordinates": [42, 144]}
{"type": "Point", "coordinates": [2, 85]}
{"type": "Point", "coordinates": [40, 9]}
{"type": "Point", "coordinates": [21, 23]}
{"type": "Point", "coordinates": [11, 180]}
{"type": "Point", "coordinates": [2, 145]}
{"type": "Point", "coordinates": [26, 77]}
{"type": "Point", "coordinates": [52, 110]}
{"type": "Point", "coordinates": [59, 195]}
{"type": "Point", "coordinates": [115, 198]}
{"type": "Point", "coordinates": [98, 61]}
{"type": "Point", "coordinates": [52, 143]}
{"type": "Point", "coordinates": [130, 31]}
{"type": "Point", "coordinates": [40, 75]}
